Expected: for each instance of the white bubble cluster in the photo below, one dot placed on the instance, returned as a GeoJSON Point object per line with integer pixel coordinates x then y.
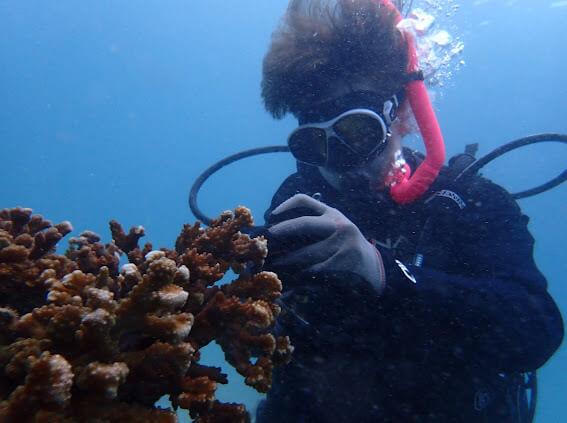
{"type": "Point", "coordinates": [438, 50]}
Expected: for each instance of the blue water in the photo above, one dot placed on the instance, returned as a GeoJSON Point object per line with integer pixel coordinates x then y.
{"type": "Point", "coordinates": [110, 109]}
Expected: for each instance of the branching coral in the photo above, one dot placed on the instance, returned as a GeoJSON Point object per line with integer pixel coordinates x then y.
{"type": "Point", "coordinates": [83, 339]}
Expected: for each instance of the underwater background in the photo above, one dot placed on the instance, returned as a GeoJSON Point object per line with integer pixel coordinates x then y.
{"type": "Point", "coordinates": [111, 109]}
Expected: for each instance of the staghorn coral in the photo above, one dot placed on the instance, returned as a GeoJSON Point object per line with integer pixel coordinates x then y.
{"type": "Point", "coordinates": [83, 339]}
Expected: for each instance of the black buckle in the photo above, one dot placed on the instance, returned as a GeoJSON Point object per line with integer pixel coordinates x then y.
{"type": "Point", "coordinates": [415, 76]}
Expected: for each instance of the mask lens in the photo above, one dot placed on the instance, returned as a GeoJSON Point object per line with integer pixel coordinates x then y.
{"type": "Point", "coordinates": [363, 133]}
{"type": "Point", "coordinates": [309, 145]}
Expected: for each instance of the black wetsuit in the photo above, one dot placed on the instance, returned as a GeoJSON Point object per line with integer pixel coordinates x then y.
{"type": "Point", "coordinates": [442, 349]}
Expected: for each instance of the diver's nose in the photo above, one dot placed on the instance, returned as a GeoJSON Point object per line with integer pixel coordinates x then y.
{"type": "Point", "coordinates": [340, 157]}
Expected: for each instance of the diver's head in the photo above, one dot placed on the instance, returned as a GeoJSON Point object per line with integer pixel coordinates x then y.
{"type": "Point", "coordinates": [353, 138]}
{"type": "Point", "coordinates": [324, 43]}
{"type": "Point", "coordinates": [340, 68]}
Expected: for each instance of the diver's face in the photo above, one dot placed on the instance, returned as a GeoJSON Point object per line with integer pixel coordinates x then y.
{"type": "Point", "coordinates": [345, 172]}
{"type": "Point", "coordinates": [368, 176]}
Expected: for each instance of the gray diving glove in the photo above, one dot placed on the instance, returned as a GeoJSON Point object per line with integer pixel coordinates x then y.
{"type": "Point", "coordinates": [312, 239]}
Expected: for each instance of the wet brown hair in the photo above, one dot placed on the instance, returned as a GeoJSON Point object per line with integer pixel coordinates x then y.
{"type": "Point", "coordinates": [321, 42]}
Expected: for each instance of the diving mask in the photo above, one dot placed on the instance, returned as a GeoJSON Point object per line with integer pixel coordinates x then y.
{"type": "Point", "coordinates": [346, 140]}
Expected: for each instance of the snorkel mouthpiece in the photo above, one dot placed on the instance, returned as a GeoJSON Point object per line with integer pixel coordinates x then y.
{"type": "Point", "coordinates": [409, 188]}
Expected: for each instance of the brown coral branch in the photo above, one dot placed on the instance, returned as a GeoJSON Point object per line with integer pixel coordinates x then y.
{"type": "Point", "coordinates": [126, 242]}
{"type": "Point", "coordinates": [82, 339]}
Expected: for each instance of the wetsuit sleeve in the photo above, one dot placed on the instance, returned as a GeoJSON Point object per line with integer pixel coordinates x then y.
{"type": "Point", "coordinates": [493, 309]}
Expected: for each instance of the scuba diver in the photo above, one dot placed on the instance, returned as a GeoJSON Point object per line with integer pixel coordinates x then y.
{"type": "Point", "coordinates": [407, 300]}
{"type": "Point", "coordinates": [410, 289]}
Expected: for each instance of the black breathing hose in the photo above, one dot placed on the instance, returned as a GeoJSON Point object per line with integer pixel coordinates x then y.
{"type": "Point", "coordinates": [532, 387]}
{"type": "Point", "coordinates": [469, 171]}
{"type": "Point", "coordinates": [219, 165]}
{"type": "Point", "coordinates": [513, 145]}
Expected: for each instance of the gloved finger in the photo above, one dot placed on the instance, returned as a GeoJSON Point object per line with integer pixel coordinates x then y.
{"type": "Point", "coordinates": [305, 228]}
{"type": "Point", "coordinates": [306, 257]}
{"type": "Point", "coordinates": [298, 205]}
{"type": "Point", "coordinates": [332, 263]}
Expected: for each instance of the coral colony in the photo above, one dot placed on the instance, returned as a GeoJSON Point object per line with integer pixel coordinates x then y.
{"type": "Point", "coordinates": [85, 339]}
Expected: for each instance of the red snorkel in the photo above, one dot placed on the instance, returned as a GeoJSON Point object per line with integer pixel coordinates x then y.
{"type": "Point", "coordinates": [408, 189]}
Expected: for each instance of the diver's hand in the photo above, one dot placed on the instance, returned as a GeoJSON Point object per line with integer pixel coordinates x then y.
{"type": "Point", "coordinates": [317, 240]}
